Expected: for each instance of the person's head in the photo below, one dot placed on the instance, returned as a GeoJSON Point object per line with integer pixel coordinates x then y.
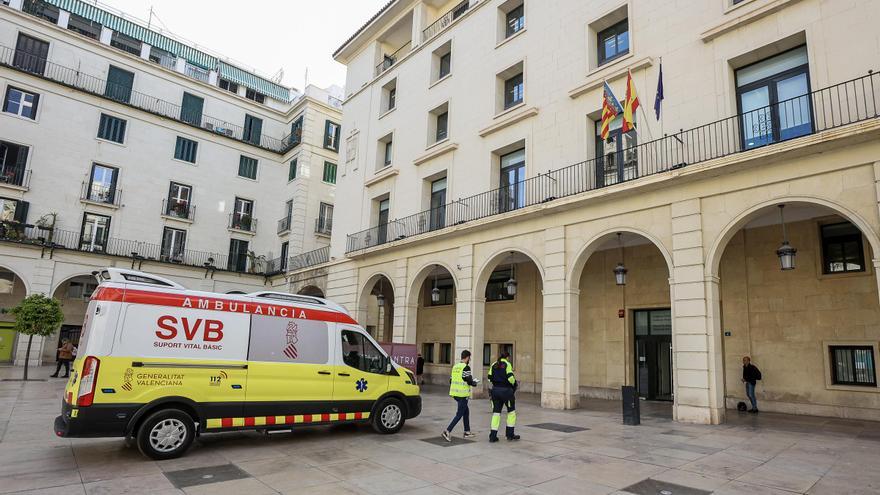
{"type": "Point", "coordinates": [504, 355]}
{"type": "Point", "coordinates": [420, 354]}
{"type": "Point", "coordinates": [65, 341]}
{"type": "Point", "coordinates": [746, 360]}
{"type": "Point", "coordinates": [465, 356]}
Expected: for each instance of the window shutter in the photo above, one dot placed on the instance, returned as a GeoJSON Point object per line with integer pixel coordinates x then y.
{"type": "Point", "coordinates": [327, 134]}
{"type": "Point", "coordinates": [336, 140]}
{"type": "Point", "coordinates": [191, 109]}
{"type": "Point", "coordinates": [119, 83]}
{"type": "Point", "coordinates": [21, 159]}
{"type": "Point", "coordinates": [21, 211]}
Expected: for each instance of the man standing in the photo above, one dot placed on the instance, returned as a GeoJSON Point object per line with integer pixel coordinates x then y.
{"type": "Point", "coordinates": [420, 369]}
{"type": "Point", "coordinates": [503, 395]}
{"type": "Point", "coordinates": [751, 375]}
{"type": "Point", "coordinates": [460, 383]}
{"type": "Point", "coordinates": [65, 356]}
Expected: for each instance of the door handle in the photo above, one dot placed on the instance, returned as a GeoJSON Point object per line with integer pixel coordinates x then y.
{"type": "Point", "coordinates": [344, 374]}
{"type": "Point", "coordinates": [324, 373]}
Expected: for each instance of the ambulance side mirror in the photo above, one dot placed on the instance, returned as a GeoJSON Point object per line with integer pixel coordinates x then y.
{"type": "Point", "coordinates": [388, 366]}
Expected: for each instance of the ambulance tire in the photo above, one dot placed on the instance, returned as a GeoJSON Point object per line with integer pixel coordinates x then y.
{"type": "Point", "coordinates": [165, 434]}
{"type": "Point", "coordinates": [389, 416]}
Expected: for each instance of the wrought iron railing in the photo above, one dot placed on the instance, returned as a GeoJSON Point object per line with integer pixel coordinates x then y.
{"type": "Point", "coordinates": [845, 103]}
{"type": "Point", "coordinates": [183, 210]}
{"type": "Point", "coordinates": [74, 78]}
{"type": "Point", "coordinates": [324, 225]}
{"type": "Point", "coordinates": [284, 224]}
{"type": "Point", "coordinates": [101, 194]}
{"type": "Point", "coordinates": [243, 222]}
{"type": "Point", "coordinates": [15, 176]}
{"type": "Point", "coordinates": [298, 262]}
{"type": "Point", "coordinates": [390, 60]}
{"type": "Point", "coordinates": [446, 19]}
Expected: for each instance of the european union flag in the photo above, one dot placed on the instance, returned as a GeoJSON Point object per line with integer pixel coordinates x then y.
{"type": "Point", "coordinates": [659, 98]}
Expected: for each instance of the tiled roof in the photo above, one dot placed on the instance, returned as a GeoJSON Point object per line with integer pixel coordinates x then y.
{"type": "Point", "coordinates": [366, 24]}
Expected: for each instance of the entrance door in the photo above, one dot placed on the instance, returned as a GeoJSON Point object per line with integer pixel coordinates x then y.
{"type": "Point", "coordinates": [7, 342]}
{"type": "Point", "coordinates": [653, 332]}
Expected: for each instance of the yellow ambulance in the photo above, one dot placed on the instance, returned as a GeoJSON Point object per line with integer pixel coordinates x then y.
{"type": "Point", "coordinates": [159, 364]}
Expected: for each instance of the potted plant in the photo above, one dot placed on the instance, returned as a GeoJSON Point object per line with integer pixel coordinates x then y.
{"type": "Point", "coordinates": [244, 222]}
{"type": "Point", "coordinates": [46, 223]}
{"type": "Point", "coordinates": [256, 263]}
{"type": "Point", "coordinates": [180, 209]}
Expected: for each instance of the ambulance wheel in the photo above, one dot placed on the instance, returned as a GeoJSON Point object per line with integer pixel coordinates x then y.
{"type": "Point", "coordinates": [389, 416]}
{"type": "Point", "coordinates": [165, 434]}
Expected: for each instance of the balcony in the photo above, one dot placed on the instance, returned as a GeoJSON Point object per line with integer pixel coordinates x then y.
{"type": "Point", "coordinates": [76, 79]}
{"type": "Point", "coordinates": [178, 210]}
{"type": "Point", "coordinates": [284, 225]}
{"type": "Point", "coordinates": [323, 226]}
{"type": "Point", "coordinates": [389, 60]}
{"type": "Point", "coordinates": [446, 19]}
{"type": "Point", "coordinates": [100, 194]}
{"type": "Point", "coordinates": [842, 104]}
{"type": "Point", "coordinates": [15, 177]}
{"type": "Point", "coordinates": [301, 261]}
{"type": "Point", "coordinates": [242, 222]}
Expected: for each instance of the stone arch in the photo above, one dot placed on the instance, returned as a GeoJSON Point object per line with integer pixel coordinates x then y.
{"type": "Point", "coordinates": [311, 290]}
{"type": "Point", "coordinates": [591, 246]}
{"type": "Point", "coordinates": [713, 258]}
{"type": "Point", "coordinates": [494, 260]}
{"type": "Point", "coordinates": [27, 287]}
{"type": "Point", "coordinates": [364, 298]}
{"type": "Point", "coordinates": [69, 277]}
{"type": "Point", "coordinates": [413, 298]}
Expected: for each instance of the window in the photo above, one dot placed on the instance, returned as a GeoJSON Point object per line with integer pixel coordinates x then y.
{"type": "Point", "coordinates": [125, 43]}
{"type": "Point", "coordinates": [438, 204]}
{"type": "Point", "coordinates": [282, 340]}
{"type": "Point", "coordinates": [13, 161]}
{"type": "Point", "coordinates": [253, 129]}
{"type": "Point", "coordinates": [296, 131]}
{"type": "Point", "coordinates": [392, 98]}
{"type": "Point", "coordinates": [81, 290]}
{"type": "Point", "coordinates": [238, 250]}
{"type": "Point", "coordinates": [513, 91]}
{"type": "Point", "coordinates": [20, 102]}
{"type": "Point", "coordinates": [30, 54]}
{"type": "Point", "coordinates": [516, 21]}
{"type": "Point", "coordinates": [389, 96]}
{"type": "Point", "coordinates": [447, 291]}
{"type": "Point", "coordinates": [358, 352]}
{"type": "Point", "coordinates": [773, 99]}
{"type": "Point", "coordinates": [186, 149]}
{"type": "Point", "coordinates": [842, 248]}
{"type": "Point", "coordinates": [102, 184]}
{"type": "Point", "coordinates": [173, 245]}
{"type": "Point", "coordinates": [512, 193]}
{"type": "Point", "coordinates": [191, 109]}
{"type": "Point", "coordinates": [613, 42]}
{"type": "Point", "coordinates": [329, 173]}
{"type": "Point", "coordinates": [428, 352]}
{"type": "Point", "coordinates": [442, 126]}
{"type": "Point", "coordinates": [617, 155]}
{"type": "Point", "coordinates": [285, 249]}
{"type": "Point", "coordinates": [179, 197]}
{"type": "Point", "coordinates": [496, 289]}
{"type": "Point", "coordinates": [13, 210]}
{"type": "Point", "coordinates": [83, 26]}
{"type": "Point", "coordinates": [384, 207]}
{"type": "Point", "coordinates": [111, 128]}
{"type": "Point", "coordinates": [445, 66]}
{"type": "Point", "coordinates": [506, 348]}
{"type": "Point", "coordinates": [325, 219]}
{"type": "Point", "coordinates": [487, 355]}
{"type": "Point", "coordinates": [331, 135]}
{"type": "Point", "coordinates": [853, 365]}
{"type": "Point", "coordinates": [95, 233]}
{"type": "Point", "coordinates": [384, 151]}
{"type": "Point", "coordinates": [291, 172]}
{"type": "Point", "coordinates": [247, 167]}
{"type": "Point", "coordinates": [652, 322]}
{"type": "Point", "coordinates": [388, 151]}
{"type": "Point", "coordinates": [253, 95]}
{"type": "Point", "coordinates": [119, 84]}
{"type": "Point", "coordinates": [445, 354]}
{"type": "Point", "coordinates": [242, 214]}
{"type": "Point", "coordinates": [41, 9]}
{"type": "Point", "coordinates": [163, 58]}
{"type": "Point", "coordinates": [228, 86]}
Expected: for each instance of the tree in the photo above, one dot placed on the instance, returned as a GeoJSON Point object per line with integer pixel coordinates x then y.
{"type": "Point", "coordinates": [36, 315]}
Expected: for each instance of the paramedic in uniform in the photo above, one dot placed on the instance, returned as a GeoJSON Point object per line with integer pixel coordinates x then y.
{"type": "Point", "coordinates": [503, 390]}
{"type": "Point", "coordinates": [460, 383]}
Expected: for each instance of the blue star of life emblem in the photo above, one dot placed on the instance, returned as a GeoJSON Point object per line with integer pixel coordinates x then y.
{"type": "Point", "coordinates": [361, 385]}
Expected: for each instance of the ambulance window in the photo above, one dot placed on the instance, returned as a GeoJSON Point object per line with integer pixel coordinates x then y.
{"type": "Point", "coordinates": [358, 352]}
{"type": "Point", "coordinates": [284, 340]}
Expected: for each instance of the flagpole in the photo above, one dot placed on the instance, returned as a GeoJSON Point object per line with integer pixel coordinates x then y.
{"type": "Point", "coordinates": [661, 103]}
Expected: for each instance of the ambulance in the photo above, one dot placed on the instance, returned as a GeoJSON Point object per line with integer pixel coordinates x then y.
{"type": "Point", "coordinates": [159, 364]}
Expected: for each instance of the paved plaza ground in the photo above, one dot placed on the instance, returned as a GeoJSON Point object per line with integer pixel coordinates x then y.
{"type": "Point", "coordinates": [593, 454]}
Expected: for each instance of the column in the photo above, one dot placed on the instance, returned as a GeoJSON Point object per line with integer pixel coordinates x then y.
{"type": "Point", "coordinates": [145, 51]}
{"type": "Point", "coordinates": [106, 35]}
{"type": "Point", "coordinates": [559, 384]}
{"type": "Point", "coordinates": [419, 22]}
{"type": "Point", "coordinates": [63, 18]}
{"type": "Point", "coordinates": [398, 323]}
{"type": "Point", "coordinates": [696, 343]}
{"type": "Point", "coordinates": [469, 316]}
{"type": "Point", "coordinates": [41, 283]}
{"type": "Point", "coordinates": [15, 4]}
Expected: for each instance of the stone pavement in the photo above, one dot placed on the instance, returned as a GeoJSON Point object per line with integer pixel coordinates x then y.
{"type": "Point", "coordinates": [594, 454]}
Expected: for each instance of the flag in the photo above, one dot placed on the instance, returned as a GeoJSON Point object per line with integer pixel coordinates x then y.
{"type": "Point", "coordinates": [610, 109]}
{"type": "Point", "coordinates": [630, 105]}
{"type": "Point", "coordinates": [658, 100]}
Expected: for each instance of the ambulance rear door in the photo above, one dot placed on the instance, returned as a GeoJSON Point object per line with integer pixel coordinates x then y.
{"type": "Point", "coordinates": [361, 375]}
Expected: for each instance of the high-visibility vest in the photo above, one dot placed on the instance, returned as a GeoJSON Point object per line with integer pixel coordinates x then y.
{"type": "Point", "coordinates": [457, 386]}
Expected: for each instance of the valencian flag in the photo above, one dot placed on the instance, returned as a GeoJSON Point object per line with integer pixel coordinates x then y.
{"type": "Point", "coordinates": [630, 104]}
{"type": "Point", "coordinates": [610, 109]}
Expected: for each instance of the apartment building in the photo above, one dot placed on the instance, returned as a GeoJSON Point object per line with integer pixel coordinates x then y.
{"type": "Point", "coordinates": [486, 211]}
{"type": "Point", "coordinates": [127, 146]}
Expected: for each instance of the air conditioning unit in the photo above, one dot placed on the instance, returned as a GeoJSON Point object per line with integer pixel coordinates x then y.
{"type": "Point", "coordinates": [209, 126]}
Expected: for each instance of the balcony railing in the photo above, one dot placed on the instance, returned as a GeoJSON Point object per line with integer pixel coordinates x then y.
{"type": "Point", "coordinates": [183, 210]}
{"type": "Point", "coordinates": [846, 103]}
{"type": "Point", "coordinates": [323, 226]}
{"type": "Point", "coordinates": [101, 194]}
{"type": "Point", "coordinates": [390, 60]}
{"type": "Point", "coordinates": [15, 176]}
{"type": "Point", "coordinates": [135, 250]}
{"type": "Point", "coordinates": [298, 262]}
{"type": "Point", "coordinates": [284, 225]}
{"type": "Point", "coordinates": [74, 78]}
{"type": "Point", "coordinates": [446, 19]}
{"type": "Point", "coordinates": [243, 222]}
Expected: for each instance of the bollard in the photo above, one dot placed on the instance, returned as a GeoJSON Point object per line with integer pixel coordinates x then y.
{"type": "Point", "coordinates": [630, 405]}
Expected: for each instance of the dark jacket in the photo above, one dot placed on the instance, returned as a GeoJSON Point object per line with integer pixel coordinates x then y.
{"type": "Point", "coordinates": [501, 375]}
{"type": "Point", "coordinates": [751, 374]}
{"type": "Point", "coordinates": [420, 365]}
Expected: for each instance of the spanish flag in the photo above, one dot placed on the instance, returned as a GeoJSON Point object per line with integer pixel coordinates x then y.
{"type": "Point", "coordinates": [630, 105]}
{"type": "Point", "coordinates": [610, 108]}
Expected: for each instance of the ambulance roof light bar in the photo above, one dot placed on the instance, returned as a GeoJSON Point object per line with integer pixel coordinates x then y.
{"type": "Point", "coordinates": [284, 296]}
{"type": "Point", "coordinates": [124, 276]}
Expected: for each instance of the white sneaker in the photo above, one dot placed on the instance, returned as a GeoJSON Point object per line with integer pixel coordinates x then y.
{"type": "Point", "coordinates": [469, 434]}
{"type": "Point", "coordinates": [446, 436]}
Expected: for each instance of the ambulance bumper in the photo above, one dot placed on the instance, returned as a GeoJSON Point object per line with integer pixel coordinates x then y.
{"type": "Point", "coordinates": [413, 406]}
{"type": "Point", "coordinates": [93, 421]}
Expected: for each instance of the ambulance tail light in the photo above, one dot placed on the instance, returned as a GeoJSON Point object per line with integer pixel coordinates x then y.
{"type": "Point", "coordinates": [87, 382]}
